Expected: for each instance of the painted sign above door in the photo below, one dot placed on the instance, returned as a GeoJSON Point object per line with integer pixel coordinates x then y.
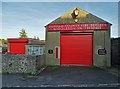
{"type": "Point", "coordinates": [78, 27]}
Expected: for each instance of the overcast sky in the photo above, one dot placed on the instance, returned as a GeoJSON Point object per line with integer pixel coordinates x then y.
{"type": "Point", "coordinates": [33, 16]}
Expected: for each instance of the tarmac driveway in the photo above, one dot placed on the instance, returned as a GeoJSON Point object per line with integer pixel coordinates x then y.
{"type": "Point", "coordinates": [64, 76]}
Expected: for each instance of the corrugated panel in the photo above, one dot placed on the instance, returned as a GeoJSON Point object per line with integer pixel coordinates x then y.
{"type": "Point", "coordinates": [76, 49]}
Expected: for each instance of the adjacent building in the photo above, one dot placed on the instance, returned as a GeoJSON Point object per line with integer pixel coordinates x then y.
{"type": "Point", "coordinates": [17, 45]}
{"type": "Point", "coordinates": [35, 47]}
{"type": "Point", "coordinates": [25, 46]}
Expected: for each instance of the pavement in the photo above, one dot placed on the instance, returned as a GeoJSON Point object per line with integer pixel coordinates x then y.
{"type": "Point", "coordinates": [64, 76]}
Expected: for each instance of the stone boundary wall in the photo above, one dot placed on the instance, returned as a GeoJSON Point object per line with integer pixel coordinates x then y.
{"type": "Point", "coordinates": [22, 63]}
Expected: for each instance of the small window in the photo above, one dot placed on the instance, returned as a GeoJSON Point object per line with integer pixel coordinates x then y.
{"type": "Point", "coordinates": [36, 50]}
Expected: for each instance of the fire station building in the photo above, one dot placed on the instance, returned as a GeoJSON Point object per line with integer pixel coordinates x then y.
{"type": "Point", "coordinates": [78, 38]}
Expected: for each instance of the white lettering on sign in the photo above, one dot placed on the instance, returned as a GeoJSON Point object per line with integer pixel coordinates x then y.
{"type": "Point", "coordinates": [75, 27]}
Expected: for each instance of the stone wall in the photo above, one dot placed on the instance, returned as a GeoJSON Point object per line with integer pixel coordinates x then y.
{"type": "Point", "coordinates": [21, 63]}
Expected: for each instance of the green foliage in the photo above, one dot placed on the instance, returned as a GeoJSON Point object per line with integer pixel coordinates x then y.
{"type": "Point", "coordinates": [36, 37]}
{"type": "Point", "coordinates": [53, 67]}
{"type": "Point", "coordinates": [94, 66]}
{"type": "Point", "coordinates": [29, 74]}
{"type": "Point", "coordinates": [23, 34]}
{"type": "Point", "coordinates": [4, 41]}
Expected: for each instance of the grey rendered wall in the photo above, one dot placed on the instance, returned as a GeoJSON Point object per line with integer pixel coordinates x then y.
{"type": "Point", "coordinates": [101, 39]}
{"type": "Point", "coordinates": [40, 61]}
{"type": "Point", "coordinates": [52, 40]}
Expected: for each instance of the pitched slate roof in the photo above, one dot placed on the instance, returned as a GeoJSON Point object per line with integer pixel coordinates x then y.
{"type": "Point", "coordinates": [83, 17]}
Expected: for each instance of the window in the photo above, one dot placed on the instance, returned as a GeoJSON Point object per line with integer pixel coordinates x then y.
{"type": "Point", "coordinates": [35, 50]}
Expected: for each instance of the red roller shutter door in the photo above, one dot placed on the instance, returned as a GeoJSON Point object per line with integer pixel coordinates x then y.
{"type": "Point", "coordinates": [17, 48]}
{"type": "Point", "coordinates": [76, 49]}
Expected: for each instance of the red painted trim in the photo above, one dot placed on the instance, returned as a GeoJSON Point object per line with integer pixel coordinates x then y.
{"type": "Point", "coordinates": [56, 52]}
{"type": "Point", "coordinates": [17, 40]}
{"type": "Point", "coordinates": [92, 48]}
{"type": "Point", "coordinates": [78, 27]}
{"type": "Point", "coordinates": [77, 33]}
